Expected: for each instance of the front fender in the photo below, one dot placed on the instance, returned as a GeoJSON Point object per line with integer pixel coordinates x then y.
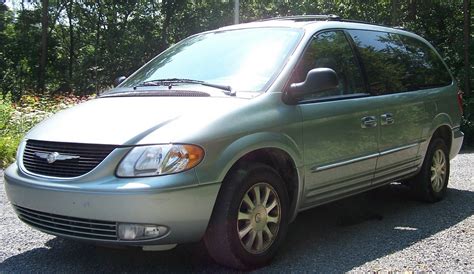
{"type": "Point", "coordinates": [218, 169]}
{"type": "Point", "coordinates": [215, 170]}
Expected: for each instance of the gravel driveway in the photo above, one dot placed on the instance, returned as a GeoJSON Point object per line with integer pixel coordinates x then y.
{"type": "Point", "coordinates": [381, 230]}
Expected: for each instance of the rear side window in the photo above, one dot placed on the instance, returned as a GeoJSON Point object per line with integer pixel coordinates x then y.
{"type": "Point", "coordinates": [396, 63]}
{"type": "Point", "coordinates": [426, 69]}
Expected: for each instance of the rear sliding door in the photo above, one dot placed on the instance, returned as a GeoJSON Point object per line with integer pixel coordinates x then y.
{"type": "Point", "coordinates": [393, 74]}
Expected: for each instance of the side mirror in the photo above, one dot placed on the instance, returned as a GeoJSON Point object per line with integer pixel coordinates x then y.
{"type": "Point", "coordinates": [317, 80]}
{"type": "Point", "coordinates": [119, 80]}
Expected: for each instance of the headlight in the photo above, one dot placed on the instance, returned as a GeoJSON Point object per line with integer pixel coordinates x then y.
{"type": "Point", "coordinates": [159, 160]}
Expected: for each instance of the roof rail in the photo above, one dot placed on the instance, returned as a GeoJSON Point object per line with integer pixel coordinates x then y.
{"type": "Point", "coordinates": [400, 27]}
{"type": "Point", "coordinates": [302, 18]}
{"type": "Point", "coordinates": [369, 23]}
{"type": "Point", "coordinates": [325, 17]}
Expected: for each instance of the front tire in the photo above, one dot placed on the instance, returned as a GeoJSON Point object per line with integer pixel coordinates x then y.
{"type": "Point", "coordinates": [430, 185]}
{"type": "Point", "coordinates": [250, 217]}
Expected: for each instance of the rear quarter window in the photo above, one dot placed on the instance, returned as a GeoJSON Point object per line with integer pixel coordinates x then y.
{"type": "Point", "coordinates": [396, 63]}
{"type": "Point", "coordinates": [426, 69]}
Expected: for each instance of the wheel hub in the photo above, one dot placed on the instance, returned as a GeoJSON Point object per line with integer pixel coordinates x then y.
{"type": "Point", "coordinates": [259, 218]}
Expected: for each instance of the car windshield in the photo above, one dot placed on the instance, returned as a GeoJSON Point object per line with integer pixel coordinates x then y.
{"type": "Point", "coordinates": [243, 59]}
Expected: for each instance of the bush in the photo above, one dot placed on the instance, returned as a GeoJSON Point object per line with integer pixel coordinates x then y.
{"type": "Point", "coordinates": [16, 119]}
{"type": "Point", "coordinates": [8, 146]}
{"type": "Point", "coordinates": [8, 141]}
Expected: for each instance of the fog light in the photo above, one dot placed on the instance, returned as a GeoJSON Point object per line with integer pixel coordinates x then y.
{"type": "Point", "coordinates": [140, 232]}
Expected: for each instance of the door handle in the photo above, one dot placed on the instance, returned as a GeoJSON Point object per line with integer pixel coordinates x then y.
{"type": "Point", "coordinates": [387, 119]}
{"type": "Point", "coordinates": [368, 122]}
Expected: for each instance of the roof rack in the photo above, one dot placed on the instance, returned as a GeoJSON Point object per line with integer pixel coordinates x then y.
{"type": "Point", "coordinates": [302, 18]}
{"type": "Point", "coordinates": [400, 27]}
{"type": "Point", "coordinates": [324, 17]}
{"type": "Point", "coordinates": [375, 24]}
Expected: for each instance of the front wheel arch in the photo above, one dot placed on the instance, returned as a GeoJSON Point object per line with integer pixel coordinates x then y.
{"type": "Point", "coordinates": [221, 238]}
{"type": "Point", "coordinates": [284, 164]}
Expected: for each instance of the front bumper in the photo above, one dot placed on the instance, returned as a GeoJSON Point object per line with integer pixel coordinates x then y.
{"type": "Point", "coordinates": [185, 210]}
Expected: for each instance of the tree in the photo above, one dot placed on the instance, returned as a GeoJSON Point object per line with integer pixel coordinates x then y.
{"type": "Point", "coordinates": [69, 12]}
{"type": "Point", "coordinates": [81, 46]}
{"type": "Point", "coordinates": [44, 44]}
{"type": "Point", "coordinates": [411, 10]}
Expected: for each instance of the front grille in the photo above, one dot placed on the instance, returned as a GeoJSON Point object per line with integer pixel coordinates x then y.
{"type": "Point", "coordinates": [68, 226]}
{"type": "Point", "coordinates": [90, 155]}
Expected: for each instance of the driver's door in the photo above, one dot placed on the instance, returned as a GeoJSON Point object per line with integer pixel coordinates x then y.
{"type": "Point", "coordinates": [340, 126]}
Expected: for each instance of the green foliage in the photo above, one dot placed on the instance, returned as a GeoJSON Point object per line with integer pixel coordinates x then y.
{"type": "Point", "coordinates": [8, 147]}
{"type": "Point", "coordinates": [90, 43]}
{"type": "Point", "coordinates": [8, 139]}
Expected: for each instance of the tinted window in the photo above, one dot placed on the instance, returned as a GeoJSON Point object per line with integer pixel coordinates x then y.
{"type": "Point", "coordinates": [426, 69]}
{"type": "Point", "coordinates": [396, 63]}
{"type": "Point", "coordinates": [331, 50]}
{"type": "Point", "coordinates": [381, 55]}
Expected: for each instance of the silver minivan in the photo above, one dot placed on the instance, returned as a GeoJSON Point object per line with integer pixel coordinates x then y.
{"type": "Point", "coordinates": [227, 135]}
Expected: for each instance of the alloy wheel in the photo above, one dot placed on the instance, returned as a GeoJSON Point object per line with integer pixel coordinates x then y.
{"type": "Point", "coordinates": [259, 218]}
{"type": "Point", "coordinates": [438, 170]}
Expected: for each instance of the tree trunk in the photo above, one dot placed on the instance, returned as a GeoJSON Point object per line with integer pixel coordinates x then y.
{"type": "Point", "coordinates": [395, 12]}
{"type": "Point", "coordinates": [44, 46]}
{"type": "Point", "coordinates": [71, 40]}
{"type": "Point", "coordinates": [236, 11]}
{"type": "Point", "coordinates": [467, 41]}
{"type": "Point", "coordinates": [412, 11]}
{"type": "Point", "coordinates": [97, 44]}
{"type": "Point", "coordinates": [167, 10]}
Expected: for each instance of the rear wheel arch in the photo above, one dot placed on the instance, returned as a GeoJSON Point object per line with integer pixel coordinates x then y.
{"type": "Point", "coordinates": [441, 126]}
{"type": "Point", "coordinates": [445, 133]}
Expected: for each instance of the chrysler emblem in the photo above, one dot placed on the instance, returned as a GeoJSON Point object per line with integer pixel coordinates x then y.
{"type": "Point", "coordinates": [52, 157]}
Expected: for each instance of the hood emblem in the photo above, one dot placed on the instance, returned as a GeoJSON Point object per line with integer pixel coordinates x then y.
{"type": "Point", "coordinates": [52, 157]}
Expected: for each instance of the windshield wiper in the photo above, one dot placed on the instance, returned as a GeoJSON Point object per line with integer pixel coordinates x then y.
{"type": "Point", "coordinates": [170, 81]}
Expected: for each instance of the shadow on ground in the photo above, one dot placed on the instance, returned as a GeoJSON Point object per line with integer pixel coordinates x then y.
{"type": "Point", "coordinates": [332, 238]}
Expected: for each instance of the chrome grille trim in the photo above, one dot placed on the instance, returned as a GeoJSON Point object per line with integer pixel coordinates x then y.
{"type": "Point", "coordinates": [90, 155]}
{"type": "Point", "coordinates": [68, 226]}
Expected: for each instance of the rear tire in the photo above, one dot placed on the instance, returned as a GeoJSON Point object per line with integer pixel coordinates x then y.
{"type": "Point", "coordinates": [431, 183]}
{"type": "Point", "coordinates": [250, 217]}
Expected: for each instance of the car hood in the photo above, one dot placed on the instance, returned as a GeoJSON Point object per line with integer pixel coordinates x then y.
{"type": "Point", "coordinates": [127, 120]}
